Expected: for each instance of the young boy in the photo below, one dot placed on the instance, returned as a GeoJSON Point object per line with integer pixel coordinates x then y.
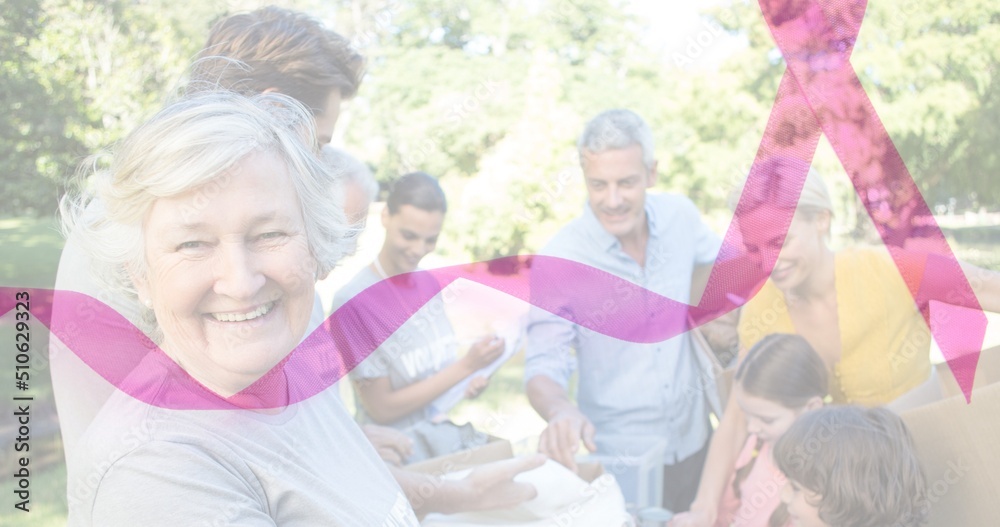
{"type": "Point", "coordinates": [848, 466]}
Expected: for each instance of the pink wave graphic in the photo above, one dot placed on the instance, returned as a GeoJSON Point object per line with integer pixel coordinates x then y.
{"type": "Point", "coordinates": [819, 93]}
{"type": "Point", "coordinates": [119, 352]}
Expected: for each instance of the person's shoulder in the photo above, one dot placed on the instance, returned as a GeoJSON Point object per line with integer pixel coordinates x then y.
{"type": "Point", "coordinates": [870, 257]}
{"type": "Point", "coordinates": [154, 481]}
{"type": "Point", "coordinates": [874, 268]}
{"type": "Point", "coordinates": [672, 204]}
{"type": "Point", "coordinates": [130, 433]}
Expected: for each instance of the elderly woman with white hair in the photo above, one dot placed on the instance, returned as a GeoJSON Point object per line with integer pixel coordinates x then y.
{"type": "Point", "coordinates": [854, 306]}
{"type": "Point", "coordinates": [215, 218]}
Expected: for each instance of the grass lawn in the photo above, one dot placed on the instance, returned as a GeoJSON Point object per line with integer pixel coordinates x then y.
{"type": "Point", "coordinates": [31, 250]}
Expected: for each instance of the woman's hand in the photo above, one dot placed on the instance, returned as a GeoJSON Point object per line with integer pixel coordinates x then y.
{"type": "Point", "coordinates": [476, 386]}
{"type": "Point", "coordinates": [483, 353]}
{"type": "Point", "coordinates": [492, 486]}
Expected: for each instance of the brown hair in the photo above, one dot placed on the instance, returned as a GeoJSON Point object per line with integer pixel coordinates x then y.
{"type": "Point", "coordinates": [282, 49]}
{"type": "Point", "coordinates": [418, 189]}
{"type": "Point", "coordinates": [784, 369]}
{"type": "Point", "coordinates": [861, 462]}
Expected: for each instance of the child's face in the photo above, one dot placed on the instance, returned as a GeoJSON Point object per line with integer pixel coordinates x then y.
{"type": "Point", "coordinates": [766, 419]}
{"type": "Point", "coordinates": [803, 505]}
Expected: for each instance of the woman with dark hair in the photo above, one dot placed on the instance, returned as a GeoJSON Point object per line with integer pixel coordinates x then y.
{"type": "Point", "coordinates": [398, 382]}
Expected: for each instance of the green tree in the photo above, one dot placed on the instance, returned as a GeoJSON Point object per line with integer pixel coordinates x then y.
{"type": "Point", "coordinates": [76, 75]}
{"type": "Point", "coordinates": [35, 149]}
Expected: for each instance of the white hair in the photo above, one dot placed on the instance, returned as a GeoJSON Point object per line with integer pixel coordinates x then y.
{"type": "Point", "coordinates": [350, 169]}
{"type": "Point", "coordinates": [193, 143]}
{"type": "Point", "coordinates": [616, 129]}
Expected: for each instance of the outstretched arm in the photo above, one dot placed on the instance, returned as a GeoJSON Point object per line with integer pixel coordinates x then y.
{"type": "Point", "coordinates": [567, 424]}
{"type": "Point", "coordinates": [487, 487]}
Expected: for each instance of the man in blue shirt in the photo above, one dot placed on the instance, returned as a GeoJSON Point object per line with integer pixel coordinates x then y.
{"type": "Point", "coordinates": [656, 241]}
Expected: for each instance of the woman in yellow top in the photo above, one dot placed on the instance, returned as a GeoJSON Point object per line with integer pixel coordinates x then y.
{"type": "Point", "coordinates": [862, 319]}
{"type": "Point", "coordinates": [853, 306]}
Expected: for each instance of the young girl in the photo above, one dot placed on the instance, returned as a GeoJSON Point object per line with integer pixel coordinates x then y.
{"type": "Point", "coordinates": [849, 466]}
{"type": "Point", "coordinates": [781, 378]}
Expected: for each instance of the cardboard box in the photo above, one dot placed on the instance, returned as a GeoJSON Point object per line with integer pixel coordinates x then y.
{"type": "Point", "coordinates": [942, 383]}
{"type": "Point", "coordinates": [959, 447]}
{"type": "Point", "coordinates": [987, 372]}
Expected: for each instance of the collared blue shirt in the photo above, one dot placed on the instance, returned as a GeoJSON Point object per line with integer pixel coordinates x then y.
{"type": "Point", "coordinates": [626, 388]}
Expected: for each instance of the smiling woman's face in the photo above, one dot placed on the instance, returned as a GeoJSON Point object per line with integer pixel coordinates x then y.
{"type": "Point", "coordinates": [230, 274]}
{"type": "Point", "coordinates": [796, 254]}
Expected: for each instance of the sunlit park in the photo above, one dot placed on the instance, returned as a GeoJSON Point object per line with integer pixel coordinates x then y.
{"type": "Point", "coordinates": [490, 98]}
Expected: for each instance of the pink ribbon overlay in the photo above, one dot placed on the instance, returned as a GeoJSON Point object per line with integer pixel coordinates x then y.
{"type": "Point", "coordinates": [819, 93]}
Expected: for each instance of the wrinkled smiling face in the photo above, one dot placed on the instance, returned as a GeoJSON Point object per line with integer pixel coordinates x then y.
{"type": "Point", "coordinates": [616, 183]}
{"type": "Point", "coordinates": [230, 274]}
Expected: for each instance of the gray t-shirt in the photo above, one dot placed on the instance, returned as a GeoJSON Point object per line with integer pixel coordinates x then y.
{"type": "Point", "coordinates": [421, 347]}
{"type": "Point", "coordinates": [304, 465]}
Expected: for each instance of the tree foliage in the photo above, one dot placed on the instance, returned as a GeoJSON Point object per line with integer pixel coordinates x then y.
{"type": "Point", "coordinates": [490, 96]}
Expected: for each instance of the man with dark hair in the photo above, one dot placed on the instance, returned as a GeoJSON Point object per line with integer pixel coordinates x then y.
{"type": "Point", "coordinates": [285, 51]}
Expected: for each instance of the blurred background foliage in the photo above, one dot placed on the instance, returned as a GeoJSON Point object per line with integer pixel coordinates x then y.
{"type": "Point", "coordinates": [490, 96]}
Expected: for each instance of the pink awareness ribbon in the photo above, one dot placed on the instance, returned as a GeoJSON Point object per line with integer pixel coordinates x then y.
{"type": "Point", "coordinates": [818, 93]}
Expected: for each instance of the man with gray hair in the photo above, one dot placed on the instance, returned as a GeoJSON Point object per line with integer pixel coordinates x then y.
{"type": "Point", "coordinates": [656, 241]}
{"type": "Point", "coordinates": [360, 188]}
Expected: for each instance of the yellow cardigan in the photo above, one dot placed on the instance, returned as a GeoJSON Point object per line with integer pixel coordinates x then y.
{"type": "Point", "coordinates": [885, 341]}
